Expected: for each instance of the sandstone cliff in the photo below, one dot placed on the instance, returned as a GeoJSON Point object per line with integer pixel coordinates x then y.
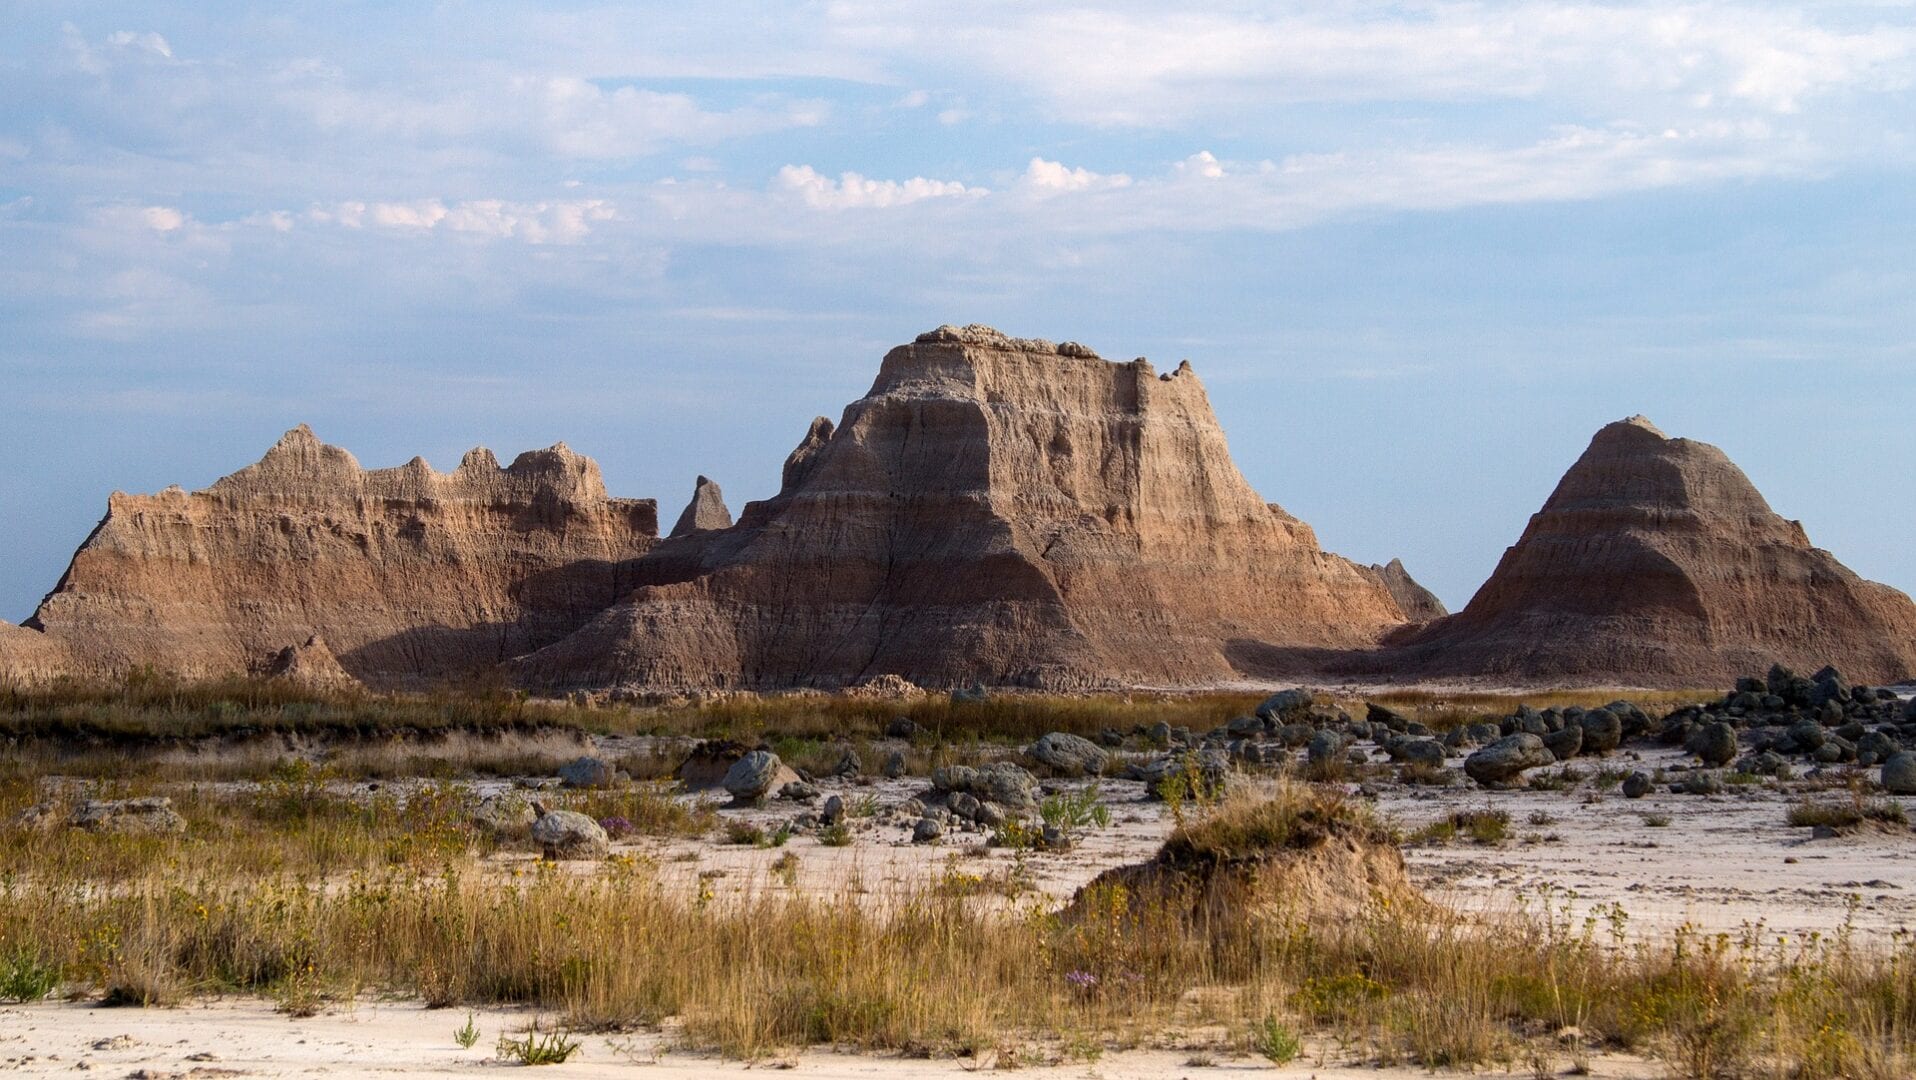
{"type": "Point", "coordinates": [1656, 562]}
{"type": "Point", "coordinates": [994, 509]}
{"type": "Point", "coordinates": [1420, 604]}
{"type": "Point", "coordinates": [408, 573]}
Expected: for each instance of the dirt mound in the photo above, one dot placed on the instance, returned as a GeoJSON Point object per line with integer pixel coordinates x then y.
{"type": "Point", "coordinates": [1000, 510]}
{"type": "Point", "coordinates": [1657, 562]}
{"type": "Point", "coordinates": [409, 573]}
{"type": "Point", "coordinates": [1286, 854]}
{"type": "Point", "coordinates": [311, 665]}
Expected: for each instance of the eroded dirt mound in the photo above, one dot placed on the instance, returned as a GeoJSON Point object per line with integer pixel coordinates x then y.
{"type": "Point", "coordinates": [1657, 562]}
{"type": "Point", "coordinates": [1000, 510]}
{"type": "Point", "coordinates": [1284, 857]}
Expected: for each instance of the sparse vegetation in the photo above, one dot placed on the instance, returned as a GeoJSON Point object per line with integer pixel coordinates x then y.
{"type": "Point", "coordinates": [1847, 815]}
{"type": "Point", "coordinates": [467, 1036]}
{"type": "Point", "coordinates": [535, 1047]}
{"type": "Point", "coordinates": [1482, 826]}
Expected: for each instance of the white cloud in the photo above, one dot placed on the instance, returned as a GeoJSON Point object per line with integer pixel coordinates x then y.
{"type": "Point", "coordinates": [1203, 164]}
{"type": "Point", "coordinates": [851, 190]}
{"type": "Point", "coordinates": [544, 222]}
{"type": "Point", "coordinates": [162, 219]}
{"type": "Point", "coordinates": [148, 42]}
{"type": "Point", "coordinates": [1052, 177]}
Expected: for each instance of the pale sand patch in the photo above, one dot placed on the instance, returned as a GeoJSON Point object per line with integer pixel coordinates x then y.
{"type": "Point", "coordinates": [246, 1038]}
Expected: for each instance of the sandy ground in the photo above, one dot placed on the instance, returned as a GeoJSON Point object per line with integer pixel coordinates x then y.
{"type": "Point", "coordinates": [1721, 863]}
{"type": "Point", "coordinates": [249, 1039]}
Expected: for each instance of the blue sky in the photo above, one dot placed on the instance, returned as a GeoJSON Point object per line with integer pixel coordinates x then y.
{"type": "Point", "coordinates": [1418, 252]}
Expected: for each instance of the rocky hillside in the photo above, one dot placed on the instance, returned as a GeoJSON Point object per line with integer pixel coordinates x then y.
{"type": "Point", "coordinates": [1657, 562]}
{"type": "Point", "coordinates": [997, 510]}
{"type": "Point", "coordinates": [409, 574]}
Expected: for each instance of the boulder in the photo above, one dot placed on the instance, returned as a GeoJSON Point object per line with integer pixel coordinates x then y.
{"type": "Point", "coordinates": [153, 815]}
{"type": "Point", "coordinates": [1068, 755]}
{"type": "Point", "coordinates": [563, 834]}
{"type": "Point", "coordinates": [1637, 784]}
{"type": "Point", "coordinates": [927, 830]}
{"type": "Point", "coordinates": [756, 775]}
{"type": "Point", "coordinates": [998, 782]}
{"type": "Point", "coordinates": [1714, 743]}
{"type": "Point", "coordinates": [588, 772]}
{"type": "Point", "coordinates": [1602, 731]}
{"type": "Point", "coordinates": [503, 815]}
{"type": "Point", "coordinates": [1285, 706]}
{"type": "Point", "coordinates": [1504, 761]}
{"type": "Point", "coordinates": [1565, 742]}
{"type": "Point", "coordinates": [1416, 751]}
{"type": "Point", "coordinates": [1899, 774]}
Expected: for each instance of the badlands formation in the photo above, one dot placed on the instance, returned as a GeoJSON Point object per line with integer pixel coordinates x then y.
{"type": "Point", "coordinates": [1656, 561]}
{"type": "Point", "coordinates": [995, 510]}
{"type": "Point", "coordinates": [408, 575]}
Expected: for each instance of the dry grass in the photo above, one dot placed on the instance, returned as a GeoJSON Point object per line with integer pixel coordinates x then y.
{"type": "Point", "coordinates": [341, 910]}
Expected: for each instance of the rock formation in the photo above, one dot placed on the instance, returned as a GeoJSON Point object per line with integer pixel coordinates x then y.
{"type": "Point", "coordinates": [1420, 604]}
{"type": "Point", "coordinates": [995, 509]}
{"type": "Point", "coordinates": [408, 573]}
{"type": "Point", "coordinates": [1656, 562]}
{"type": "Point", "coordinates": [311, 665]}
{"type": "Point", "coordinates": [705, 511]}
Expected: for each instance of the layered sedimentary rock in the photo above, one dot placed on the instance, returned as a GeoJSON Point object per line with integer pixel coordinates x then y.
{"type": "Point", "coordinates": [998, 510]}
{"type": "Point", "coordinates": [1420, 604]}
{"type": "Point", "coordinates": [1657, 562]}
{"type": "Point", "coordinates": [705, 511]}
{"type": "Point", "coordinates": [407, 573]}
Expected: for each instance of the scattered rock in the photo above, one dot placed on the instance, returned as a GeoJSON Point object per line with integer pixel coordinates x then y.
{"type": "Point", "coordinates": [1068, 755]}
{"type": "Point", "coordinates": [1899, 774]}
{"type": "Point", "coordinates": [751, 777]}
{"type": "Point", "coordinates": [563, 834]}
{"type": "Point", "coordinates": [927, 831]}
{"type": "Point", "coordinates": [153, 815]}
{"type": "Point", "coordinates": [1505, 760]}
{"type": "Point", "coordinates": [588, 772]}
{"type": "Point", "coordinates": [1637, 785]}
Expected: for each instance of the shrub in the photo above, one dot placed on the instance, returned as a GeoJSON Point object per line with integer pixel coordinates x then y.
{"type": "Point", "coordinates": [25, 977]}
{"type": "Point", "coordinates": [538, 1048]}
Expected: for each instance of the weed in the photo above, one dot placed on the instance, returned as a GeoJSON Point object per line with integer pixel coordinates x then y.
{"type": "Point", "coordinates": [468, 1036]}
{"type": "Point", "coordinates": [1274, 1041]}
{"type": "Point", "coordinates": [538, 1048]}
{"type": "Point", "coordinates": [25, 977]}
{"type": "Point", "coordinates": [1655, 819]}
{"type": "Point", "coordinates": [837, 834]}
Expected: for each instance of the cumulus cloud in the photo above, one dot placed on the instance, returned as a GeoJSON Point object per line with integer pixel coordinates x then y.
{"type": "Point", "coordinates": [1052, 177]}
{"type": "Point", "coordinates": [851, 190]}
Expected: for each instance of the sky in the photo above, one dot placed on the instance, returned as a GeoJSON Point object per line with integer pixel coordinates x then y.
{"type": "Point", "coordinates": [1418, 252]}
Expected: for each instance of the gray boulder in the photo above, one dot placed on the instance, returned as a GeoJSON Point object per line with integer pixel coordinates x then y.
{"type": "Point", "coordinates": [751, 777]}
{"type": "Point", "coordinates": [1068, 755]}
{"type": "Point", "coordinates": [562, 834]}
{"type": "Point", "coordinates": [1209, 767]}
{"type": "Point", "coordinates": [1285, 705]}
{"type": "Point", "coordinates": [833, 811]}
{"type": "Point", "coordinates": [894, 766]}
{"type": "Point", "coordinates": [927, 831]}
{"type": "Point", "coordinates": [1602, 731]}
{"type": "Point", "coordinates": [1325, 746]}
{"type": "Point", "coordinates": [151, 816]}
{"type": "Point", "coordinates": [1416, 752]}
{"type": "Point", "coordinates": [1637, 785]}
{"type": "Point", "coordinates": [1000, 782]}
{"type": "Point", "coordinates": [1899, 773]}
{"type": "Point", "coordinates": [504, 814]}
{"type": "Point", "coordinates": [1565, 742]}
{"type": "Point", "coordinates": [1808, 735]}
{"type": "Point", "coordinates": [1505, 760]}
{"type": "Point", "coordinates": [588, 772]}
{"type": "Point", "coordinates": [1714, 743]}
